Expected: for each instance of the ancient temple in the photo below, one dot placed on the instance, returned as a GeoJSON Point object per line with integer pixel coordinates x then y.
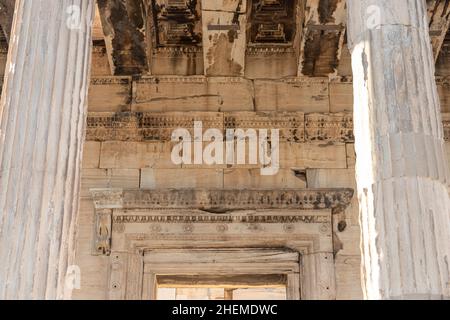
{"type": "Point", "coordinates": [327, 122]}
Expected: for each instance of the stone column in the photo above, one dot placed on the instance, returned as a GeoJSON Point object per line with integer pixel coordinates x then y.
{"type": "Point", "coordinates": [402, 171]}
{"type": "Point", "coordinates": [42, 113]}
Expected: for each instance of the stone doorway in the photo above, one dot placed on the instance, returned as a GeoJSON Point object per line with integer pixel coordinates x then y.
{"type": "Point", "coordinates": [222, 274]}
{"type": "Point", "coordinates": [261, 239]}
{"type": "Point", "coordinates": [241, 287]}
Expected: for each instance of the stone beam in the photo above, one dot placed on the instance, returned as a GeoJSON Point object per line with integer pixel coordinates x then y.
{"type": "Point", "coordinates": [124, 26]}
{"type": "Point", "coordinates": [6, 16]}
{"type": "Point", "coordinates": [322, 38]}
{"type": "Point", "coordinates": [224, 37]}
{"type": "Point", "coordinates": [439, 17]}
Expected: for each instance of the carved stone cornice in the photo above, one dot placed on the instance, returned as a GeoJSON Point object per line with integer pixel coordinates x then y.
{"type": "Point", "coordinates": [222, 201]}
{"type": "Point", "coordinates": [216, 218]}
{"type": "Point", "coordinates": [187, 208]}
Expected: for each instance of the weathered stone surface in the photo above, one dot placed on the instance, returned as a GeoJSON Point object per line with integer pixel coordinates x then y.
{"type": "Point", "coordinates": [224, 38]}
{"type": "Point", "coordinates": [447, 145]}
{"type": "Point", "coordinates": [351, 155]}
{"type": "Point", "coordinates": [3, 58]}
{"type": "Point", "coordinates": [271, 62]}
{"type": "Point", "coordinates": [296, 94]}
{"type": "Point", "coordinates": [108, 178]}
{"type": "Point", "coordinates": [226, 6]}
{"type": "Point", "coordinates": [306, 155]}
{"type": "Point", "coordinates": [124, 24]}
{"type": "Point", "coordinates": [341, 97]}
{"type": "Point", "coordinates": [100, 64]}
{"type": "Point", "coordinates": [6, 17]}
{"type": "Point", "coordinates": [345, 64]}
{"type": "Point", "coordinates": [332, 178]}
{"type": "Point", "coordinates": [91, 154]}
{"type": "Point", "coordinates": [348, 279]}
{"type": "Point", "coordinates": [177, 61]}
{"type": "Point", "coordinates": [439, 22]}
{"type": "Point", "coordinates": [136, 155]}
{"type": "Point", "coordinates": [109, 94]}
{"type": "Point", "coordinates": [322, 37]}
{"type": "Point", "coordinates": [164, 94]}
{"type": "Point", "coordinates": [181, 178]}
{"type": "Point", "coordinates": [252, 179]}
{"type": "Point", "coordinates": [94, 280]}
{"type": "Point", "coordinates": [444, 95]}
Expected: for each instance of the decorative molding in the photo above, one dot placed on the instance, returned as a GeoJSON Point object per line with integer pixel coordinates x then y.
{"type": "Point", "coordinates": [265, 50]}
{"type": "Point", "coordinates": [102, 232]}
{"type": "Point", "coordinates": [336, 127]}
{"type": "Point", "coordinates": [178, 51]}
{"type": "Point", "coordinates": [220, 219]}
{"type": "Point", "coordinates": [294, 126]}
{"type": "Point", "coordinates": [223, 201]}
{"type": "Point", "coordinates": [190, 79]}
{"type": "Point", "coordinates": [150, 126]}
{"type": "Point", "coordinates": [101, 81]}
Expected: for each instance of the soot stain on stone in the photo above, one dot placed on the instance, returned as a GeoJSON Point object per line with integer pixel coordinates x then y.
{"type": "Point", "coordinates": [219, 57]}
{"type": "Point", "coordinates": [129, 54]}
{"type": "Point", "coordinates": [326, 10]}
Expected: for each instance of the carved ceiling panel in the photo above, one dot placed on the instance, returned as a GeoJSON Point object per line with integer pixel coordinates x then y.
{"type": "Point", "coordinates": [177, 22]}
{"type": "Point", "coordinates": [272, 21]}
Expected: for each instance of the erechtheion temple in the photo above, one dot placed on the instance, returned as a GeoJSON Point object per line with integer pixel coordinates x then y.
{"type": "Point", "coordinates": [225, 149]}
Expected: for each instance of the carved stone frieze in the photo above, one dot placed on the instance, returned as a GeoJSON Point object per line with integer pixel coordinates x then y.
{"type": "Point", "coordinates": [159, 126]}
{"type": "Point", "coordinates": [336, 127]}
{"type": "Point", "coordinates": [290, 124]}
{"type": "Point", "coordinates": [223, 201]}
{"type": "Point", "coordinates": [293, 126]}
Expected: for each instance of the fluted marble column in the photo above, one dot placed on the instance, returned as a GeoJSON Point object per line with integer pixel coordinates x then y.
{"type": "Point", "coordinates": [42, 112]}
{"type": "Point", "coordinates": [402, 171]}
